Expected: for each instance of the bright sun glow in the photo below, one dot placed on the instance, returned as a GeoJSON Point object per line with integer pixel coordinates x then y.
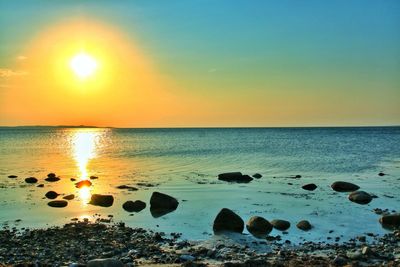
{"type": "Point", "coordinates": [83, 65]}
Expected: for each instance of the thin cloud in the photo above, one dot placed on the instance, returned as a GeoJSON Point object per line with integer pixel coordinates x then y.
{"type": "Point", "coordinates": [5, 73]}
{"type": "Point", "coordinates": [21, 57]}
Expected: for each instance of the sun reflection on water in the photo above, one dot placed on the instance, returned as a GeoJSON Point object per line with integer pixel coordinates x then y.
{"type": "Point", "coordinates": [85, 144]}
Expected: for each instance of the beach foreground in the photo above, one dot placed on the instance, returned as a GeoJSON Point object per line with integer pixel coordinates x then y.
{"type": "Point", "coordinates": [84, 243]}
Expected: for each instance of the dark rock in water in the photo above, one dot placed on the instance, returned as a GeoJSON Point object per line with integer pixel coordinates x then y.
{"type": "Point", "coordinates": [12, 176]}
{"type": "Point", "coordinates": [52, 195]}
{"type": "Point", "coordinates": [161, 204]}
{"type": "Point", "coordinates": [309, 187]}
{"type": "Point", "coordinates": [237, 177]}
{"type": "Point", "coordinates": [83, 183]}
{"type": "Point", "coordinates": [101, 200]}
{"type": "Point", "coordinates": [69, 197]}
{"type": "Point", "coordinates": [360, 197]}
{"type": "Point", "coordinates": [280, 225]}
{"type": "Point", "coordinates": [258, 226]}
{"type": "Point", "coordinates": [297, 176]}
{"type": "Point", "coordinates": [304, 225]}
{"type": "Point", "coordinates": [257, 175]}
{"type": "Point", "coordinates": [31, 180]}
{"type": "Point", "coordinates": [391, 221]}
{"type": "Point", "coordinates": [51, 175]}
{"type": "Point", "coordinates": [340, 186]}
{"type": "Point", "coordinates": [40, 185]}
{"type": "Point", "coordinates": [130, 188]}
{"type": "Point", "coordinates": [105, 263]}
{"type": "Point", "coordinates": [58, 203]}
{"type": "Point", "coordinates": [73, 179]}
{"type": "Point", "coordinates": [52, 179]}
{"type": "Point", "coordinates": [227, 220]}
{"type": "Point", "coordinates": [381, 174]}
{"type": "Point", "coordinates": [136, 206]}
{"type": "Point", "coordinates": [93, 177]}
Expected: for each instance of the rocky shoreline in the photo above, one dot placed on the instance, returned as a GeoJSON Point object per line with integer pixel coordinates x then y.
{"type": "Point", "coordinates": [83, 243]}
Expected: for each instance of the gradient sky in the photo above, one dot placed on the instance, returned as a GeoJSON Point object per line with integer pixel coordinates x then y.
{"type": "Point", "coordinates": [204, 63]}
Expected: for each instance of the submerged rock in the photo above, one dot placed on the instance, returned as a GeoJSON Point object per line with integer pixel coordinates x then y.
{"type": "Point", "coordinates": [227, 220]}
{"type": "Point", "coordinates": [258, 226]}
{"type": "Point", "coordinates": [161, 204]}
{"type": "Point", "coordinates": [237, 177]}
{"type": "Point", "coordinates": [280, 225]}
{"type": "Point", "coordinates": [101, 200]}
{"type": "Point", "coordinates": [104, 263]}
{"type": "Point", "coordinates": [257, 175]}
{"type": "Point", "coordinates": [52, 195]}
{"type": "Point", "coordinates": [341, 186]}
{"type": "Point", "coordinates": [69, 197]}
{"type": "Point", "coordinates": [360, 197]}
{"type": "Point", "coordinates": [58, 203]}
{"type": "Point", "coordinates": [130, 188]}
{"type": "Point", "coordinates": [304, 225]}
{"type": "Point", "coordinates": [309, 187]}
{"type": "Point", "coordinates": [12, 176]}
{"type": "Point", "coordinates": [83, 183]}
{"type": "Point", "coordinates": [131, 206]}
{"type": "Point", "coordinates": [31, 180]}
{"type": "Point", "coordinates": [381, 174]}
{"type": "Point", "coordinates": [93, 177]}
{"type": "Point", "coordinates": [40, 185]}
{"type": "Point", "coordinates": [390, 221]}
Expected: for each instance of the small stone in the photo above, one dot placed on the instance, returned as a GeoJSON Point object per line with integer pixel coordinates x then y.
{"type": "Point", "coordinates": [93, 177]}
{"type": "Point", "coordinates": [360, 197]}
{"type": "Point", "coordinates": [51, 177]}
{"type": "Point", "coordinates": [31, 180]}
{"type": "Point", "coordinates": [12, 176]}
{"type": "Point", "coordinates": [136, 206]}
{"type": "Point", "coordinates": [101, 200]}
{"type": "Point", "coordinates": [58, 203]}
{"type": "Point", "coordinates": [227, 220]}
{"type": "Point", "coordinates": [83, 183]}
{"type": "Point", "coordinates": [258, 226]}
{"type": "Point", "coordinates": [381, 174]}
{"type": "Point", "coordinates": [341, 186]}
{"type": "Point", "coordinates": [104, 263]}
{"type": "Point", "coordinates": [339, 261]}
{"type": "Point", "coordinates": [257, 175]}
{"type": "Point", "coordinates": [309, 187]}
{"type": "Point", "coordinates": [52, 195]}
{"type": "Point", "coordinates": [304, 225]}
{"type": "Point", "coordinates": [69, 197]}
{"type": "Point", "coordinates": [40, 185]}
{"type": "Point", "coordinates": [366, 251]}
{"type": "Point", "coordinates": [187, 257]}
{"type": "Point", "coordinates": [280, 225]}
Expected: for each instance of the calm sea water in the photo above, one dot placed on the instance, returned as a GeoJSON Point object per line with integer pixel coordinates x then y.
{"type": "Point", "coordinates": [185, 163]}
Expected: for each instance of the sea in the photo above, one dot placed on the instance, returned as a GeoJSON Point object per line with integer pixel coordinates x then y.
{"type": "Point", "coordinates": [185, 163]}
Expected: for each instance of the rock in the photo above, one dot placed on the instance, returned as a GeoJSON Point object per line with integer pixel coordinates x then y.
{"type": "Point", "coordinates": [93, 177]}
{"type": "Point", "coordinates": [136, 206]}
{"type": "Point", "coordinates": [40, 185]}
{"type": "Point", "coordinates": [258, 226]}
{"type": "Point", "coordinates": [381, 174]}
{"type": "Point", "coordinates": [161, 204]}
{"type": "Point", "coordinates": [340, 186]}
{"type": "Point", "coordinates": [360, 197]}
{"type": "Point", "coordinates": [58, 203]}
{"type": "Point", "coordinates": [390, 221]}
{"type": "Point", "coordinates": [101, 200]}
{"type": "Point", "coordinates": [339, 260]}
{"type": "Point", "coordinates": [83, 183]}
{"type": "Point", "coordinates": [280, 225]}
{"type": "Point", "coordinates": [186, 257]}
{"type": "Point", "coordinates": [304, 225]}
{"type": "Point", "coordinates": [257, 175]}
{"type": "Point", "coordinates": [31, 180]}
{"type": "Point", "coordinates": [309, 187]}
{"type": "Point", "coordinates": [52, 195]}
{"type": "Point", "coordinates": [297, 176]}
{"type": "Point", "coordinates": [366, 251]}
{"type": "Point", "coordinates": [69, 197]}
{"type": "Point", "coordinates": [234, 177]}
{"type": "Point", "coordinates": [12, 176]}
{"type": "Point", "coordinates": [227, 220]}
{"type": "Point", "coordinates": [104, 263]}
{"type": "Point", "coordinates": [51, 177]}
{"type": "Point", "coordinates": [354, 255]}
{"type": "Point", "coordinates": [72, 179]}
{"type": "Point", "coordinates": [130, 188]}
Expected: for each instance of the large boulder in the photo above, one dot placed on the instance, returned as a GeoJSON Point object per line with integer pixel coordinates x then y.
{"type": "Point", "coordinates": [31, 180]}
{"type": "Point", "coordinates": [104, 263]}
{"type": "Point", "coordinates": [51, 195]}
{"type": "Point", "coordinates": [58, 203]}
{"type": "Point", "coordinates": [304, 225]}
{"type": "Point", "coordinates": [258, 226]}
{"type": "Point", "coordinates": [161, 204]}
{"type": "Point", "coordinates": [131, 206]}
{"type": "Point", "coordinates": [390, 221]}
{"type": "Point", "coordinates": [309, 187]}
{"type": "Point", "coordinates": [227, 220]}
{"type": "Point", "coordinates": [237, 177]}
{"type": "Point", "coordinates": [280, 225]}
{"type": "Point", "coordinates": [341, 186]}
{"type": "Point", "coordinates": [101, 200]}
{"type": "Point", "coordinates": [360, 197]}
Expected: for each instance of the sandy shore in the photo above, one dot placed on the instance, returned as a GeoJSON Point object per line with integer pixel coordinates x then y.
{"type": "Point", "coordinates": [79, 243]}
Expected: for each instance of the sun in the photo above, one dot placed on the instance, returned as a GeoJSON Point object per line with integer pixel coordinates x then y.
{"type": "Point", "coordinates": [83, 65]}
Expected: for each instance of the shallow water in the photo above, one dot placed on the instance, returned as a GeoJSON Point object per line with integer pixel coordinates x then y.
{"type": "Point", "coordinates": [185, 162]}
